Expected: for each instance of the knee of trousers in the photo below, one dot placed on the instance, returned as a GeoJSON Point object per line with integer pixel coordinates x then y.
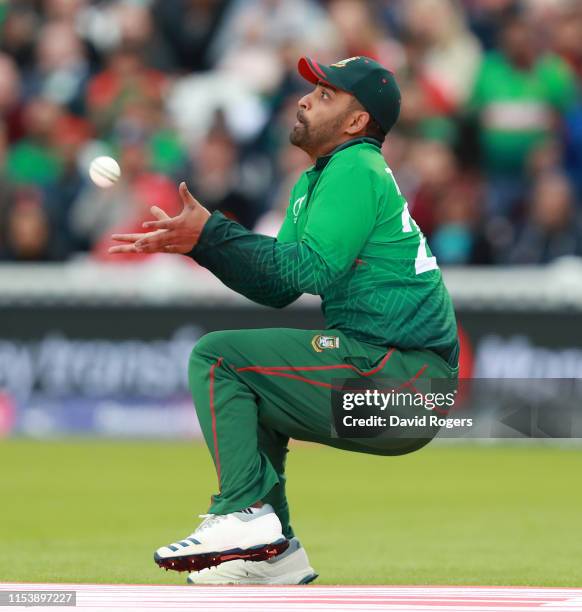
{"type": "Point", "coordinates": [211, 346]}
{"type": "Point", "coordinates": [205, 354]}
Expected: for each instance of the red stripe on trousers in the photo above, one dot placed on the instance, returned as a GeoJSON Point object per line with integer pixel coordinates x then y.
{"type": "Point", "coordinates": [319, 383]}
{"type": "Point", "coordinates": [213, 415]}
{"type": "Point", "coordinates": [330, 367]}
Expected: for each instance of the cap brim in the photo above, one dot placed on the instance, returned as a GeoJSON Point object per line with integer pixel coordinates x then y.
{"type": "Point", "coordinates": [313, 72]}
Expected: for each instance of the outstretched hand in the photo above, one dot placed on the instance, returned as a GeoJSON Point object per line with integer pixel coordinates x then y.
{"type": "Point", "coordinates": [168, 234]}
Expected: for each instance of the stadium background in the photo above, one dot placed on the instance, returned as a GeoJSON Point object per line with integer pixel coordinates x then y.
{"type": "Point", "coordinates": [97, 428]}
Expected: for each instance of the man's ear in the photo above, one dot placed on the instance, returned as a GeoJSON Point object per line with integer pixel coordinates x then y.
{"type": "Point", "coordinates": [358, 122]}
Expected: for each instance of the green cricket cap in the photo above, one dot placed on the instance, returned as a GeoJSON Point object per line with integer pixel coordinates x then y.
{"type": "Point", "coordinates": [369, 82]}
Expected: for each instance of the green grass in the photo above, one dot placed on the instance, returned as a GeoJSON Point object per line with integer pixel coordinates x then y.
{"type": "Point", "coordinates": [93, 511]}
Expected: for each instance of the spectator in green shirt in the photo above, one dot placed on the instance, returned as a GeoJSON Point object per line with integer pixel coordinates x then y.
{"type": "Point", "coordinates": [518, 98]}
{"type": "Point", "coordinates": [34, 159]}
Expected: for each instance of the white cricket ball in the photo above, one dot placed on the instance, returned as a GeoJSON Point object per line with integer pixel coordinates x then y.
{"type": "Point", "coordinates": [104, 171]}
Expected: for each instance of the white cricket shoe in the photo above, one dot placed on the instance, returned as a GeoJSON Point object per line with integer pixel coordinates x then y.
{"type": "Point", "coordinates": [290, 567]}
{"type": "Point", "coordinates": [253, 533]}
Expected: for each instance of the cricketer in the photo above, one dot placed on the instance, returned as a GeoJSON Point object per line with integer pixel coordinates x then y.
{"type": "Point", "coordinates": [348, 237]}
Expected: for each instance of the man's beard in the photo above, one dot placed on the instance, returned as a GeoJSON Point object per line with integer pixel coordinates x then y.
{"type": "Point", "coordinates": [301, 136]}
{"type": "Point", "coordinates": [314, 139]}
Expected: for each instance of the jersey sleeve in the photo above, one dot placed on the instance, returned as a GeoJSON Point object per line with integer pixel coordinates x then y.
{"type": "Point", "coordinates": [274, 272]}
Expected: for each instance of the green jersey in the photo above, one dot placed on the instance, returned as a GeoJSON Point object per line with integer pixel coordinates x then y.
{"type": "Point", "coordinates": [348, 237]}
{"type": "Point", "coordinates": [515, 108]}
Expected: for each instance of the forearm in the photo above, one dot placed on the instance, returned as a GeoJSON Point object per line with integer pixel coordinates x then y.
{"type": "Point", "coordinates": [259, 267]}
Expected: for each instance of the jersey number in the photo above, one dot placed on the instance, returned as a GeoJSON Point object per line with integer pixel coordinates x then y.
{"type": "Point", "coordinates": [422, 263]}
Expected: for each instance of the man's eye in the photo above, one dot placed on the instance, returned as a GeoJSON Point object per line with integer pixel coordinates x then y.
{"type": "Point", "coordinates": [324, 94]}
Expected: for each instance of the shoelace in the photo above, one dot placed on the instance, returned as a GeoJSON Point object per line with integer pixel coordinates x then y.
{"type": "Point", "coordinates": [209, 521]}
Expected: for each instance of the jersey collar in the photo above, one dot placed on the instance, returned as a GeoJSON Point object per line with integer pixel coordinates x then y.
{"type": "Point", "coordinates": [322, 161]}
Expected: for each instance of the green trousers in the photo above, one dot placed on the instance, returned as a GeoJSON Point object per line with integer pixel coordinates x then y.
{"type": "Point", "coordinates": [254, 389]}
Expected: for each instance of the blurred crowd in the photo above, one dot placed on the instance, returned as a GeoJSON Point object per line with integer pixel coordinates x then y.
{"type": "Point", "coordinates": [488, 149]}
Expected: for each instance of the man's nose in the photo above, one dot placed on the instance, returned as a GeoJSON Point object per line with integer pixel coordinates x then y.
{"type": "Point", "coordinates": [305, 102]}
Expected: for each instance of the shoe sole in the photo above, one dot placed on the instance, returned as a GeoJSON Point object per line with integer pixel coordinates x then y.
{"type": "Point", "coordinates": [195, 563]}
{"type": "Point", "coordinates": [305, 580]}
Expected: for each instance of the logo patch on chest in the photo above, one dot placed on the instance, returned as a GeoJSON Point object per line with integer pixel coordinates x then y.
{"type": "Point", "coordinates": [319, 342]}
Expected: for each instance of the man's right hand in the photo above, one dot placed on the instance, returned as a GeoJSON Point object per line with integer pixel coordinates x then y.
{"type": "Point", "coordinates": [178, 234]}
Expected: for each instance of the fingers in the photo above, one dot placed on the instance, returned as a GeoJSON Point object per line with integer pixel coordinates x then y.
{"type": "Point", "coordinates": [127, 237]}
{"type": "Point", "coordinates": [157, 247]}
{"type": "Point", "coordinates": [123, 248]}
{"type": "Point", "coordinates": [158, 213]}
{"type": "Point", "coordinates": [187, 198]}
{"type": "Point", "coordinates": [155, 241]}
{"type": "Point", "coordinates": [184, 191]}
{"type": "Point", "coordinates": [136, 238]}
{"type": "Point", "coordinates": [167, 223]}
{"type": "Point", "coordinates": [163, 235]}
{"type": "Point", "coordinates": [142, 242]}
{"type": "Point", "coordinates": [131, 248]}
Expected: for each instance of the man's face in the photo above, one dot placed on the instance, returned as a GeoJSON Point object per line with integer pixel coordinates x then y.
{"type": "Point", "coordinates": [322, 118]}
{"type": "Point", "coordinates": [519, 43]}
